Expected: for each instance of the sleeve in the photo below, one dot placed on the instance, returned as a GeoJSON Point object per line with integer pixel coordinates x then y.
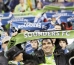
{"type": "Point", "coordinates": [29, 57]}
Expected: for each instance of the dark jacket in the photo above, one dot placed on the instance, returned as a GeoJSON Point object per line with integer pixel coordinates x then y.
{"type": "Point", "coordinates": [1, 7]}
{"type": "Point", "coordinates": [4, 7]}
{"type": "Point", "coordinates": [60, 58]}
{"type": "Point", "coordinates": [31, 62]}
{"type": "Point", "coordinates": [3, 60]}
{"type": "Point", "coordinates": [38, 57]}
{"type": "Point", "coordinates": [69, 55]}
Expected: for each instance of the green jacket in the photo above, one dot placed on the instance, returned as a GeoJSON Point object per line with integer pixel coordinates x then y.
{"type": "Point", "coordinates": [19, 8]}
{"type": "Point", "coordinates": [49, 61]}
{"type": "Point", "coordinates": [15, 63]}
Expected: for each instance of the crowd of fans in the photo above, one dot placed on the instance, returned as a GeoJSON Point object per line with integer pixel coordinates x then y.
{"type": "Point", "coordinates": [23, 5]}
{"type": "Point", "coordinates": [47, 51]}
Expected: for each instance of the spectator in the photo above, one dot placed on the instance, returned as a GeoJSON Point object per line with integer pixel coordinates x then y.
{"type": "Point", "coordinates": [15, 56]}
{"type": "Point", "coordinates": [63, 43]}
{"type": "Point", "coordinates": [5, 41]}
{"type": "Point", "coordinates": [21, 7]}
{"type": "Point", "coordinates": [53, 21]}
{"type": "Point", "coordinates": [38, 9]}
{"type": "Point", "coordinates": [58, 27]}
{"type": "Point", "coordinates": [28, 48]}
{"type": "Point", "coordinates": [3, 57]}
{"type": "Point", "coordinates": [34, 44]}
{"type": "Point", "coordinates": [4, 6]}
{"type": "Point", "coordinates": [32, 47]}
{"type": "Point", "coordinates": [48, 47]}
{"type": "Point", "coordinates": [39, 5]}
{"type": "Point", "coordinates": [50, 58]}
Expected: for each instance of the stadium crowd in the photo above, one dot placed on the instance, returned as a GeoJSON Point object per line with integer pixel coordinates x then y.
{"type": "Point", "coordinates": [46, 51]}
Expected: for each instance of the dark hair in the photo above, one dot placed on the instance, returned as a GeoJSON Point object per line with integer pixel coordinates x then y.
{"type": "Point", "coordinates": [59, 25]}
{"type": "Point", "coordinates": [34, 40]}
{"type": "Point", "coordinates": [46, 39]}
{"type": "Point", "coordinates": [63, 39]}
{"type": "Point", "coordinates": [19, 30]}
